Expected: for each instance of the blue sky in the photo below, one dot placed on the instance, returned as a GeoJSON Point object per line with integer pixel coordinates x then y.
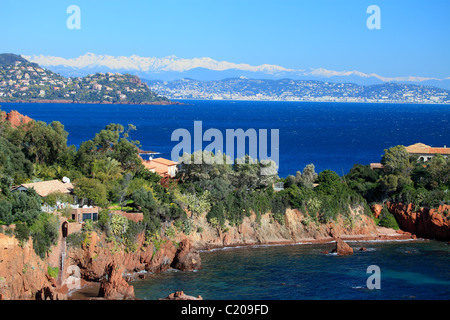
{"type": "Point", "coordinates": [332, 34]}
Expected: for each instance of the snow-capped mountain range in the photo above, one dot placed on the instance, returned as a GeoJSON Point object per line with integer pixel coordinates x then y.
{"type": "Point", "coordinates": [172, 68]}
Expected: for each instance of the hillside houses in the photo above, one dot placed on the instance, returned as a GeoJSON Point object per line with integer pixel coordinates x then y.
{"type": "Point", "coordinates": [26, 81]}
{"type": "Point", "coordinates": [46, 188]}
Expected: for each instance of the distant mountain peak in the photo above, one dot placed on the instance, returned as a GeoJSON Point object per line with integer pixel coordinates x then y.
{"type": "Point", "coordinates": [134, 62]}
{"type": "Point", "coordinates": [205, 68]}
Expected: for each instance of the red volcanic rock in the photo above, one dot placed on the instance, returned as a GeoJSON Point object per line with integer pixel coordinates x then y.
{"type": "Point", "coordinates": [342, 248]}
{"type": "Point", "coordinates": [422, 222]}
{"type": "Point", "coordinates": [15, 118]}
{"type": "Point", "coordinates": [162, 258]}
{"type": "Point", "coordinates": [115, 287]}
{"type": "Point", "coordinates": [186, 259]}
{"type": "Point", "coordinates": [22, 273]}
{"type": "Point", "coordinates": [179, 295]}
{"type": "Point", "coordinates": [376, 210]}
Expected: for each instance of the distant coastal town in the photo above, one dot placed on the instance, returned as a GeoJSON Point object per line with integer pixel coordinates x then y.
{"type": "Point", "coordinates": [23, 81]}
{"type": "Point", "coordinates": [298, 90]}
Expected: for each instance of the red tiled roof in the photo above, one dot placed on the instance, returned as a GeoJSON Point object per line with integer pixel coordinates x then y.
{"type": "Point", "coordinates": [159, 168]}
{"type": "Point", "coordinates": [44, 188]}
{"type": "Point", "coordinates": [376, 166]}
{"type": "Point", "coordinates": [159, 165]}
{"type": "Point", "coordinates": [420, 148]}
{"type": "Point", "coordinates": [439, 150]}
{"type": "Point", "coordinates": [164, 162]}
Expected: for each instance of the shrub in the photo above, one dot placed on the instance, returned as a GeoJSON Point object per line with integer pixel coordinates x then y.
{"type": "Point", "coordinates": [88, 225]}
{"type": "Point", "coordinates": [22, 233]}
{"type": "Point", "coordinates": [103, 222]}
{"type": "Point", "coordinates": [216, 216]}
{"type": "Point", "coordinates": [329, 182]}
{"type": "Point", "coordinates": [133, 230]}
{"type": "Point", "coordinates": [280, 202]}
{"type": "Point", "coordinates": [197, 204]}
{"type": "Point", "coordinates": [53, 272]}
{"type": "Point", "coordinates": [119, 224]}
{"type": "Point", "coordinates": [26, 206]}
{"type": "Point", "coordinates": [387, 219]}
{"type": "Point", "coordinates": [45, 232]}
{"type": "Point", "coordinates": [6, 216]}
{"type": "Point", "coordinates": [170, 232]}
{"type": "Point", "coordinates": [75, 239]}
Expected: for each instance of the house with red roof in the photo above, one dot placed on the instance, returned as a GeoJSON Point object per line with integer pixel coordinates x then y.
{"type": "Point", "coordinates": [163, 167]}
{"type": "Point", "coordinates": [425, 152]}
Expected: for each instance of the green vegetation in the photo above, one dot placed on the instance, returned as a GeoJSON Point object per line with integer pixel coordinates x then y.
{"type": "Point", "coordinates": [53, 272]}
{"type": "Point", "coordinates": [107, 171]}
{"type": "Point", "coordinates": [387, 219]}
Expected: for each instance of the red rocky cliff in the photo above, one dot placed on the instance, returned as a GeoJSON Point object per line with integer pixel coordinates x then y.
{"type": "Point", "coordinates": [23, 274]}
{"type": "Point", "coordinates": [423, 222]}
{"type": "Point", "coordinates": [101, 261]}
{"type": "Point", "coordinates": [15, 118]}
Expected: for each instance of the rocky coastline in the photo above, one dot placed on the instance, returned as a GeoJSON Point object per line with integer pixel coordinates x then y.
{"type": "Point", "coordinates": [186, 256]}
{"type": "Point", "coordinates": [103, 270]}
{"type": "Point", "coordinates": [296, 229]}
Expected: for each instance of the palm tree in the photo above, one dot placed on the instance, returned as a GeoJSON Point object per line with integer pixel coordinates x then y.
{"type": "Point", "coordinates": [106, 169]}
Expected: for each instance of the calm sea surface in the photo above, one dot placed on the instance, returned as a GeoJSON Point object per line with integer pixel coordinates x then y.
{"type": "Point", "coordinates": [408, 270]}
{"type": "Point", "coordinates": [331, 135]}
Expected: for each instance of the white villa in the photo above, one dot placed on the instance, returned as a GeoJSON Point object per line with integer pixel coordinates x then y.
{"type": "Point", "coordinates": [426, 152]}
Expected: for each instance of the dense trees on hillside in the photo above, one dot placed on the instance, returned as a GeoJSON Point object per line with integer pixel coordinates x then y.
{"type": "Point", "coordinates": [107, 171]}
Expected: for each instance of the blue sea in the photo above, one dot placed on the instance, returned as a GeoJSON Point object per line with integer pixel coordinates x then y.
{"type": "Point", "coordinates": [408, 270]}
{"type": "Point", "coordinates": [330, 135]}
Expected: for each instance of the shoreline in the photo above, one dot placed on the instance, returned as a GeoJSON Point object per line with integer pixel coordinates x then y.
{"type": "Point", "coordinates": [306, 242]}
{"type": "Point", "coordinates": [90, 289]}
{"type": "Point", "coordinates": [164, 103]}
{"type": "Point", "coordinates": [384, 235]}
{"type": "Point", "coordinates": [178, 102]}
{"type": "Point", "coordinates": [362, 102]}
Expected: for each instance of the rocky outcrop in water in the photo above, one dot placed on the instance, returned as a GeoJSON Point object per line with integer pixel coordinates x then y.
{"type": "Point", "coordinates": [180, 295]}
{"type": "Point", "coordinates": [114, 286]}
{"type": "Point", "coordinates": [342, 248]}
{"type": "Point", "coordinates": [186, 259]}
